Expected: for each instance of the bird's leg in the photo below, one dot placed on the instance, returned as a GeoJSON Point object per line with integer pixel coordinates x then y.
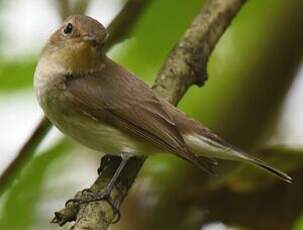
{"type": "Point", "coordinates": [119, 170]}
{"type": "Point", "coordinates": [105, 194]}
{"type": "Point", "coordinates": [106, 162]}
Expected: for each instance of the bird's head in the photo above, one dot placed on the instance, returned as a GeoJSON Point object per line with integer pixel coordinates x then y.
{"type": "Point", "coordinates": [77, 44]}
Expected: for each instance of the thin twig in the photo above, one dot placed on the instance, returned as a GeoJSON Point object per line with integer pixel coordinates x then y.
{"type": "Point", "coordinates": [185, 66]}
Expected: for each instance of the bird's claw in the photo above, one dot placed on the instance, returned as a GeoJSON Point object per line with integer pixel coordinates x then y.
{"type": "Point", "coordinates": [103, 196]}
{"type": "Point", "coordinates": [76, 201]}
{"type": "Point", "coordinates": [87, 192]}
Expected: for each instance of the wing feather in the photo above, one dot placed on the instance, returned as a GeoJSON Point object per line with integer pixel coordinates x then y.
{"type": "Point", "coordinates": [116, 97]}
{"type": "Point", "coordinates": [109, 99]}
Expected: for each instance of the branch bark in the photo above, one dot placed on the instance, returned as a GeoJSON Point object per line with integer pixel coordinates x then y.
{"type": "Point", "coordinates": [185, 66]}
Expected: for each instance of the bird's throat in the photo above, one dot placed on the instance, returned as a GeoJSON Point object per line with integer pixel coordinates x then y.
{"type": "Point", "coordinates": [81, 58]}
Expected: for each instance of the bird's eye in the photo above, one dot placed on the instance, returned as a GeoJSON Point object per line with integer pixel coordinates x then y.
{"type": "Point", "coordinates": [68, 28]}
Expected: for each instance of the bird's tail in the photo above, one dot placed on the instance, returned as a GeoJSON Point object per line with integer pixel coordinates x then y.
{"type": "Point", "coordinates": [214, 147]}
{"type": "Point", "coordinates": [263, 165]}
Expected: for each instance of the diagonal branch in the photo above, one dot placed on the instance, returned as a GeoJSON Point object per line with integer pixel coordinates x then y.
{"type": "Point", "coordinates": [119, 29]}
{"type": "Point", "coordinates": [185, 66]}
{"type": "Point", "coordinates": [24, 154]}
{"type": "Point", "coordinates": [187, 63]}
{"type": "Point", "coordinates": [121, 26]}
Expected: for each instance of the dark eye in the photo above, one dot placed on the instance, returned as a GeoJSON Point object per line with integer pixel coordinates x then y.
{"type": "Point", "coordinates": [68, 29]}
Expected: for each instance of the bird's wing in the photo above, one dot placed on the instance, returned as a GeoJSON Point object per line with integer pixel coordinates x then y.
{"type": "Point", "coordinates": [125, 102]}
{"type": "Point", "coordinates": [118, 98]}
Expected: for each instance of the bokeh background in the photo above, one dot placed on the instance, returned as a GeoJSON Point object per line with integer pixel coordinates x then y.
{"type": "Point", "coordinates": [253, 98]}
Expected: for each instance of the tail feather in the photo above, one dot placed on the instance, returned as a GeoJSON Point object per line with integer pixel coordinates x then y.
{"type": "Point", "coordinates": [240, 155]}
{"type": "Point", "coordinates": [210, 145]}
{"type": "Point", "coordinates": [281, 175]}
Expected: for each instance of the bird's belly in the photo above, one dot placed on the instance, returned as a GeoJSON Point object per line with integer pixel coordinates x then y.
{"type": "Point", "coordinates": [107, 139]}
{"type": "Point", "coordinates": [100, 136]}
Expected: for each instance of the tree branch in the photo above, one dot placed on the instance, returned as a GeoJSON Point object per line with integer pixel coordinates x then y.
{"type": "Point", "coordinates": [186, 65]}
{"type": "Point", "coordinates": [118, 31]}
{"type": "Point", "coordinates": [24, 155]}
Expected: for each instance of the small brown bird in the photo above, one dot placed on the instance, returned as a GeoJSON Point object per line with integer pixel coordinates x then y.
{"type": "Point", "coordinates": [105, 107]}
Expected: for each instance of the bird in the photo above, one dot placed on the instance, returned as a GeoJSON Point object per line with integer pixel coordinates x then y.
{"type": "Point", "coordinates": [102, 105]}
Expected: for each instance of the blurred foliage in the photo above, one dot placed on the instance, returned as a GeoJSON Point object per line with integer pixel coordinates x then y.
{"type": "Point", "coordinates": [299, 224]}
{"type": "Point", "coordinates": [16, 75]}
{"type": "Point", "coordinates": [24, 197]}
{"type": "Point", "coordinates": [154, 36]}
{"type": "Point", "coordinates": [240, 50]}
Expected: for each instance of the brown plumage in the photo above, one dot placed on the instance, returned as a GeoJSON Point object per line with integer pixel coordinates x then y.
{"type": "Point", "coordinates": [105, 107]}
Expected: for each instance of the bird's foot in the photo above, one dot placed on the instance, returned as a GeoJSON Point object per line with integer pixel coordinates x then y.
{"type": "Point", "coordinates": [89, 196]}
